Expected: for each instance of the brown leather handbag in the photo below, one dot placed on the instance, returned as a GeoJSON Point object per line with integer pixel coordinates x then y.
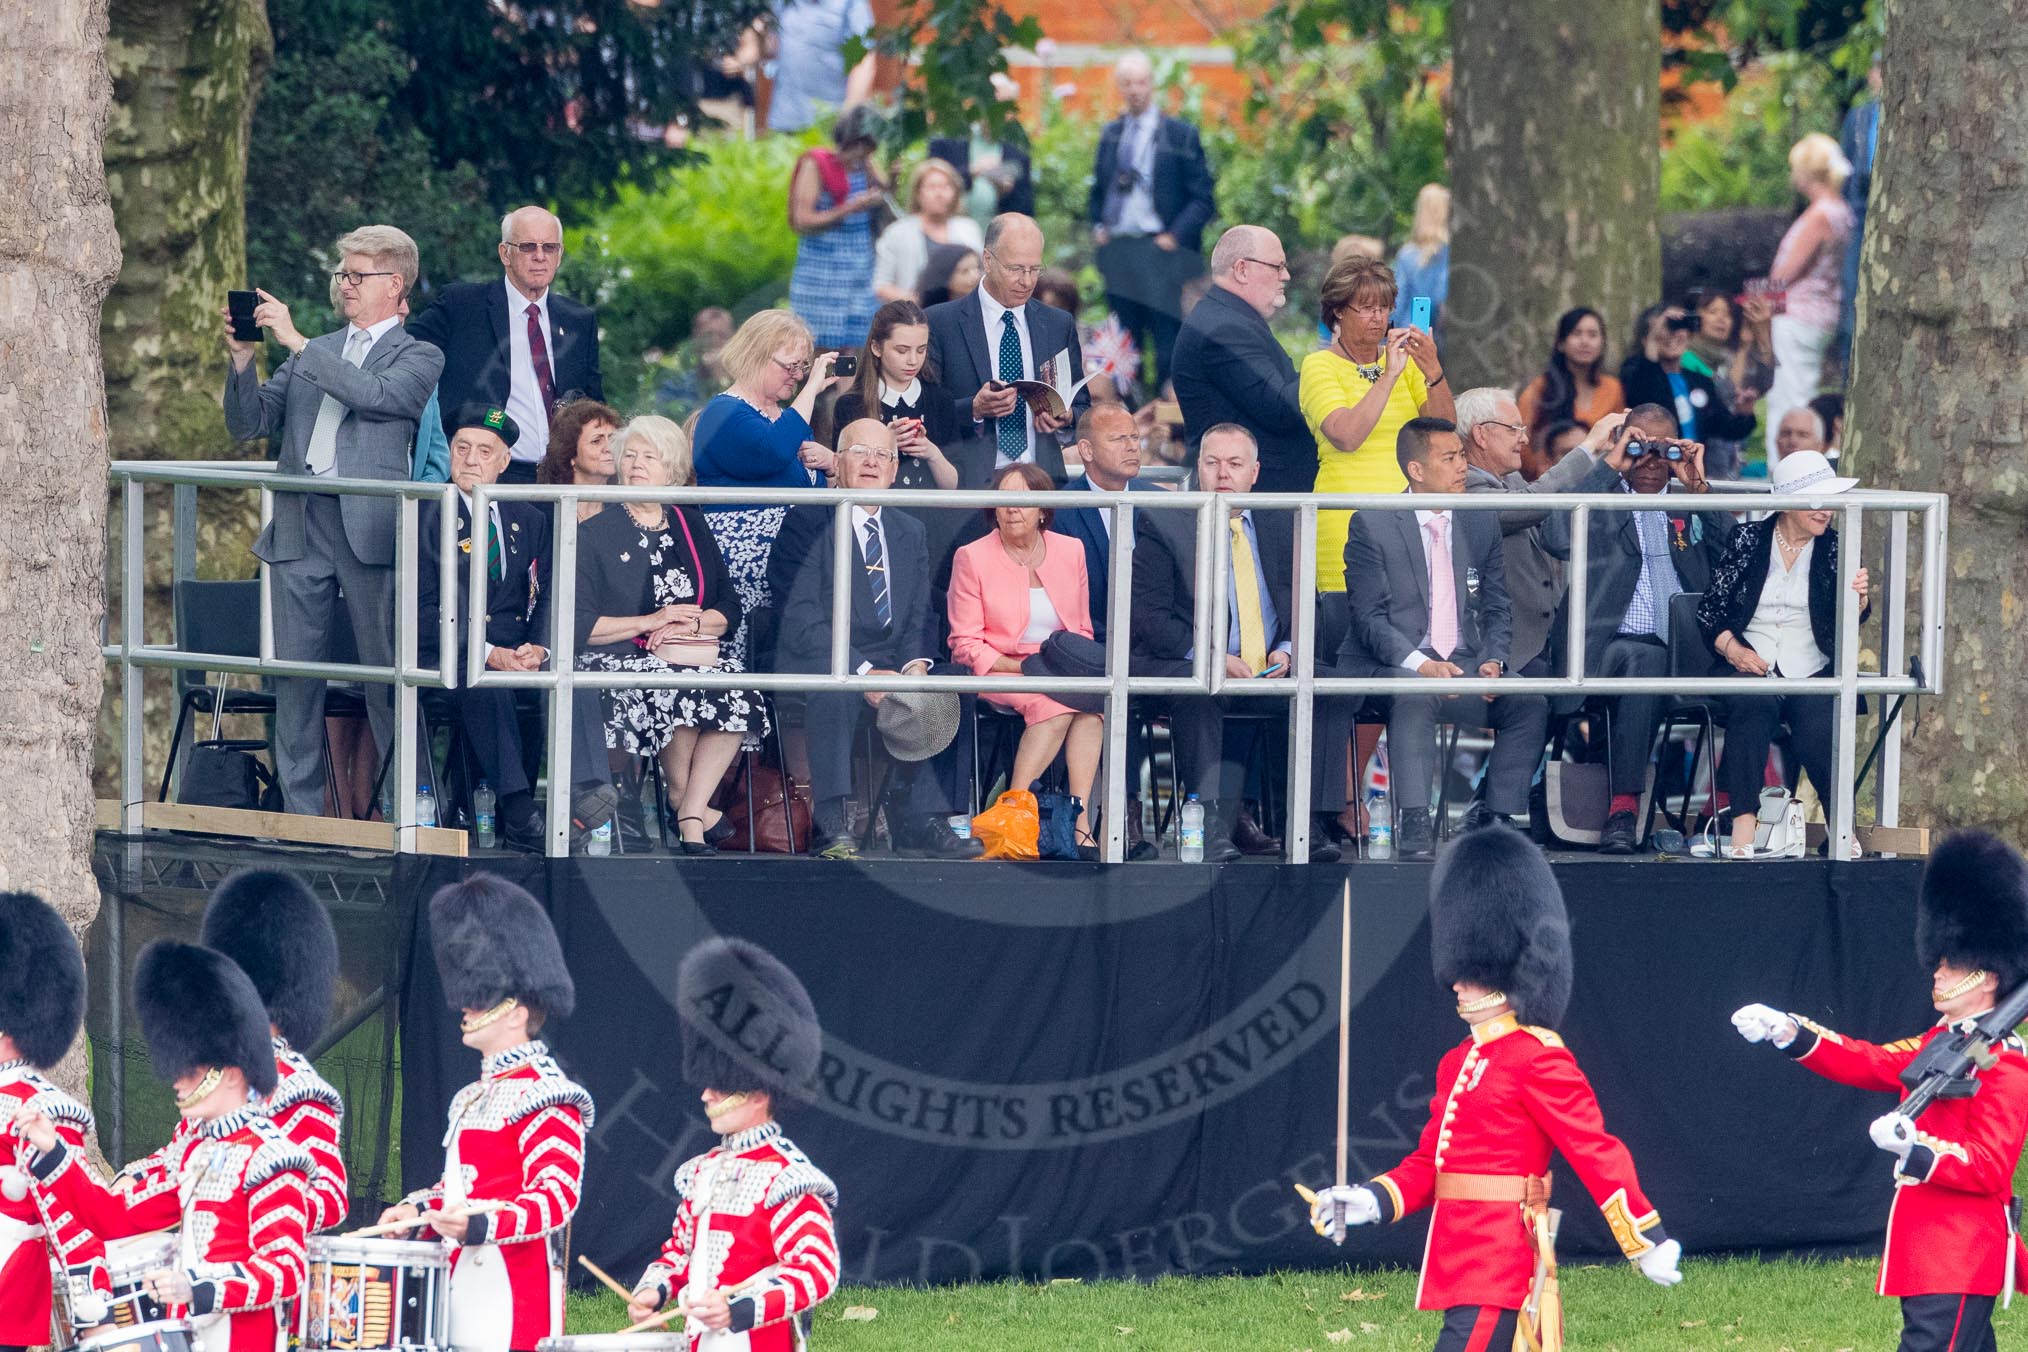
{"type": "Point", "coordinates": [770, 829]}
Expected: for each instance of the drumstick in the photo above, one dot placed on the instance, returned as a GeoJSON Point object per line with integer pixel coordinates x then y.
{"type": "Point", "coordinates": [655, 1320]}
{"type": "Point", "coordinates": [595, 1270]}
{"type": "Point", "coordinates": [423, 1218]}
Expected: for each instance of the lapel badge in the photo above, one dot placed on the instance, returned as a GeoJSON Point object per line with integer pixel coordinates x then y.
{"type": "Point", "coordinates": [466, 544]}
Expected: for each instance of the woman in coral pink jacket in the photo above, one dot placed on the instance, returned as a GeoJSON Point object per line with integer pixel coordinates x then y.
{"type": "Point", "coordinates": [1010, 591]}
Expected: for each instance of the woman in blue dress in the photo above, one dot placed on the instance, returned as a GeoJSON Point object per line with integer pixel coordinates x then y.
{"type": "Point", "coordinates": [832, 200]}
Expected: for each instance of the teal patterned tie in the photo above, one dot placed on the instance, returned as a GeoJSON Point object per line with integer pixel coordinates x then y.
{"type": "Point", "coordinates": [1011, 430]}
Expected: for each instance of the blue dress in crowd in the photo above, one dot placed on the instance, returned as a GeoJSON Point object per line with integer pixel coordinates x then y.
{"type": "Point", "coordinates": [1415, 276]}
{"type": "Point", "coordinates": [737, 446]}
{"type": "Point", "coordinates": [832, 286]}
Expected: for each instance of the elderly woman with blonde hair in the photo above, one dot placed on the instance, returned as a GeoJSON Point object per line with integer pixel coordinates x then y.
{"type": "Point", "coordinates": [654, 595]}
{"type": "Point", "coordinates": [935, 192]}
{"type": "Point", "coordinates": [1808, 272]}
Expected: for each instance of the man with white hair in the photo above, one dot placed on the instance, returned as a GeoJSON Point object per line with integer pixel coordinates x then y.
{"type": "Point", "coordinates": [1151, 197]}
{"type": "Point", "coordinates": [1801, 429]}
{"type": "Point", "coordinates": [516, 344]}
{"type": "Point", "coordinates": [343, 405]}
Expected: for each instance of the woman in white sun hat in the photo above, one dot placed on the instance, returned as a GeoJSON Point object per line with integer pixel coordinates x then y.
{"type": "Point", "coordinates": [1772, 609]}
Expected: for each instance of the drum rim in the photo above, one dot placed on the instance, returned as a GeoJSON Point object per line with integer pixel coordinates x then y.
{"type": "Point", "coordinates": [133, 1331]}
{"type": "Point", "coordinates": [590, 1342]}
{"type": "Point", "coordinates": [325, 1247]}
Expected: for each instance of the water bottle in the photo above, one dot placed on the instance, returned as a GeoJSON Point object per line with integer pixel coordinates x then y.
{"type": "Point", "coordinates": [483, 806]}
{"type": "Point", "coordinates": [1379, 826]}
{"type": "Point", "coordinates": [1190, 833]}
{"type": "Point", "coordinates": [601, 843]}
{"type": "Point", "coordinates": [425, 807]}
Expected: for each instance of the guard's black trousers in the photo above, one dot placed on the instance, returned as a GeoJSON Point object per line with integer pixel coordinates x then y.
{"type": "Point", "coordinates": [1947, 1324]}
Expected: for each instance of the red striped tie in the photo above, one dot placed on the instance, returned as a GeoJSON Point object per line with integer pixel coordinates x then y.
{"type": "Point", "coordinates": [538, 357]}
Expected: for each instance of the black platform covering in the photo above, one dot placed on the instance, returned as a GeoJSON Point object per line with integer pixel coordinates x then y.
{"type": "Point", "coordinates": [1068, 1071]}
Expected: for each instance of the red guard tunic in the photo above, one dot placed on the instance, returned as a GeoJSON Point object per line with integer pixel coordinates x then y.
{"type": "Point", "coordinates": [1504, 1098]}
{"type": "Point", "coordinates": [237, 1189]}
{"type": "Point", "coordinates": [39, 1226]}
{"type": "Point", "coordinates": [753, 1217]}
{"type": "Point", "coordinates": [1948, 1232]}
{"type": "Point", "coordinates": [516, 1137]}
{"type": "Point", "coordinates": [309, 1110]}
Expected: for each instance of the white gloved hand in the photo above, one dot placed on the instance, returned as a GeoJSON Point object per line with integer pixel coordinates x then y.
{"type": "Point", "coordinates": [1339, 1207]}
{"type": "Point", "coordinates": [1894, 1133]}
{"type": "Point", "coordinates": [1658, 1264]}
{"type": "Point", "coordinates": [13, 1183]}
{"type": "Point", "coordinates": [1764, 1023]}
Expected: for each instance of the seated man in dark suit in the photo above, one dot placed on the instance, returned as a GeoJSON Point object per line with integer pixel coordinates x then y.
{"type": "Point", "coordinates": [1428, 598]}
{"type": "Point", "coordinates": [1260, 605]}
{"type": "Point", "coordinates": [1638, 561]}
{"type": "Point", "coordinates": [1001, 333]}
{"type": "Point", "coordinates": [517, 628]}
{"type": "Point", "coordinates": [893, 632]}
{"type": "Point", "coordinates": [515, 343]}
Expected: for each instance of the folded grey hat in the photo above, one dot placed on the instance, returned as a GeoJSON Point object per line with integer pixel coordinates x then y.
{"type": "Point", "coordinates": [917, 724]}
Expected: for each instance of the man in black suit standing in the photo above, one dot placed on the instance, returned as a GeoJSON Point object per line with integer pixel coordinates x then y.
{"type": "Point", "coordinates": [515, 343]}
{"type": "Point", "coordinates": [1230, 367]}
{"type": "Point", "coordinates": [1151, 197]}
{"type": "Point", "coordinates": [1428, 593]}
{"type": "Point", "coordinates": [893, 632]}
{"type": "Point", "coordinates": [998, 334]}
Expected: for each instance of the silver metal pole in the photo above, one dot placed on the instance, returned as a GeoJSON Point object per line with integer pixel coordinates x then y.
{"type": "Point", "coordinates": [563, 668]}
{"type": "Point", "coordinates": [844, 556]}
{"type": "Point", "coordinates": [406, 541]}
{"type": "Point", "coordinates": [1838, 803]}
{"type": "Point", "coordinates": [1119, 590]}
{"type": "Point", "coordinates": [1578, 593]}
{"type": "Point", "coordinates": [132, 692]}
{"type": "Point", "coordinates": [1936, 545]}
{"type": "Point", "coordinates": [1201, 665]}
{"type": "Point", "coordinates": [1894, 647]}
{"type": "Point", "coordinates": [1219, 622]}
{"type": "Point", "coordinates": [267, 582]}
{"type": "Point", "coordinates": [447, 588]}
{"type": "Point", "coordinates": [1303, 707]}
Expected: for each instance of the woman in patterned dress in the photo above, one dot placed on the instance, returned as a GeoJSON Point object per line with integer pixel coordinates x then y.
{"type": "Point", "coordinates": [653, 594]}
{"type": "Point", "coordinates": [832, 198]}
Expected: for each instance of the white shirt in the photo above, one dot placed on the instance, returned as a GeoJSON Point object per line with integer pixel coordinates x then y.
{"type": "Point", "coordinates": [1042, 618]}
{"type": "Point", "coordinates": [1780, 628]}
{"type": "Point", "coordinates": [1137, 209]}
{"type": "Point", "coordinates": [912, 396]}
{"type": "Point", "coordinates": [362, 351]}
{"type": "Point", "coordinates": [524, 396]}
{"type": "Point", "coordinates": [993, 309]}
{"type": "Point", "coordinates": [1413, 662]}
{"type": "Point", "coordinates": [902, 251]}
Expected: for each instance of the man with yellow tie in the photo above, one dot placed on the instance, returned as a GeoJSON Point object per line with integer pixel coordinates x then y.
{"type": "Point", "coordinates": [1427, 591]}
{"type": "Point", "coordinates": [1259, 606]}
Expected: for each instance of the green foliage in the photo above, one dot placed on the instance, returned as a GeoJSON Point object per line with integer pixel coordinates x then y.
{"type": "Point", "coordinates": [1741, 158]}
{"type": "Point", "coordinates": [711, 232]}
{"type": "Point", "coordinates": [955, 47]}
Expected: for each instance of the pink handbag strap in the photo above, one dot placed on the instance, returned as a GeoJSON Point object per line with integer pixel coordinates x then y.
{"type": "Point", "coordinates": [697, 563]}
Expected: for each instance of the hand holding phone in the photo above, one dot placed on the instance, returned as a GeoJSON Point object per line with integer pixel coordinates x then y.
{"type": "Point", "coordinates": [1419, 312]}
{"type": "Point", "coordinates": [240, 306]}
{"type": "Point", "coordinates": [846, 365]}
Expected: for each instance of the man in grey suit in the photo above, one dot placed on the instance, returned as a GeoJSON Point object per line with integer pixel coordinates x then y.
{"type": "Point", "coordinates": [1428, 598]}
{"type": "Point", "coordinates": [344, 405]}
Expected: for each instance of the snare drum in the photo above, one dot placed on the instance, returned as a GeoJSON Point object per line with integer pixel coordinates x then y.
{"type": "Point", "coordinates": [128, 1262]}
{"type": "Point", "coordinates": [647, 1341]}
{"type": "Point", "coordinates": [375, 1295]}
{"type": "Point", "coordinates": [161, 1335]}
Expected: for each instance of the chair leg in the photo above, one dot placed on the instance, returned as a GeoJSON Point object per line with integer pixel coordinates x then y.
{"type": "Point", "coordinates": [175, 742]}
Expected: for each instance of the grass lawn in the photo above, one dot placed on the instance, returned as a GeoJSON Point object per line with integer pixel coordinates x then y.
{"type": "Point", "coordinates": [1722, 1304]}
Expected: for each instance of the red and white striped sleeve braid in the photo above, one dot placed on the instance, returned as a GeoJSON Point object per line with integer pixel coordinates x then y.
{"type": "Point", "coordinates": [674, 1259]}
{"type": "Point", "coordinates": [277, 1221]}
{"type": "Point", "coordinates": [78, 1248]}
{"type": "Point", "coordinates": [805, 1272]}
{"type": "Point", "coordinates": [552, 1174]}
{"type": "Point", "coordinates": [314, 1126]}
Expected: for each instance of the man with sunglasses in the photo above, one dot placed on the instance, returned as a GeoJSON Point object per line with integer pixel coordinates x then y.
{"type": "Point", "coordinates": [516, 344]}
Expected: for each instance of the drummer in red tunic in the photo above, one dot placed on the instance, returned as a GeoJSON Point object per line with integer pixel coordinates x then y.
{"type": "Point", "coordinates": [1505, 1098]}
{"type": "Point", "coordinates": [1951, 1242]}
{"type": "Point", "coordinates": [752, 1252]}
{"type": "Point", "coordinates": [235, 1187]}
{"type": "Point", "coordinates": [42, 998]}
{"type": "Point", "coordinates": [266, 921]}
{"type": "Point", "coordinates": [517, 1135]}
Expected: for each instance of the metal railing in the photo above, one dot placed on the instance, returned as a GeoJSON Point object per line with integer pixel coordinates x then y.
{"type": "Point", "coordinates": [1212, 571]}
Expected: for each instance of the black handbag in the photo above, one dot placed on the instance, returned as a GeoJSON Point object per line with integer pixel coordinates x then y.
{"type": "Point", "coordinates": [223, 772]}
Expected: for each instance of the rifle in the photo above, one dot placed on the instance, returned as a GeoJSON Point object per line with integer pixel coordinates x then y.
{"type": "Point", "coordinates": [1949, 1066]}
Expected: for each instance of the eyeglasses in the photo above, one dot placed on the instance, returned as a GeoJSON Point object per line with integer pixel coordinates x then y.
{"type": "Point", "coordinates": [350, 278]}
{"type": "Point", "coordinates": [529, 250]}
{"type": "Point", "coordinates": [1018, 273]}
{"type": "Point", "coordinates": [875, 453]}
{"type": "Point", "coordinates": [798, 370]}
{"type": "Point", "coordinates": [1282, 267]}
{"type": "Point", "coordinates": [1521, 428]}
{"type": "Point", "coordinates": [1369, 311]}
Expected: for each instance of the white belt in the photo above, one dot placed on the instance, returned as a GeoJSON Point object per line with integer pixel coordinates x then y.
{"type": "Point", "coordinates": [18, 1232]}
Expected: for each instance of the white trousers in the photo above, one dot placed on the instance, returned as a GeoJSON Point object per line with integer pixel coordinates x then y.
{"type": "Point", "coordinates": [1799, 364]}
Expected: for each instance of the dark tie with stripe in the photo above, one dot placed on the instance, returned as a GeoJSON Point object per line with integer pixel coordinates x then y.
{"type": "Point", "coordinates": [1012, 430]}
{"type": "Point", "coordinates": [538, 357]}
{"type": "Point", "coordinates": [876, 576]}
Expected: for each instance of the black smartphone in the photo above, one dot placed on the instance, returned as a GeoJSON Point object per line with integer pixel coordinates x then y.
{"type": "Point", "coordinates": [846, 365]}
{"type": "Point", "coordinates": [240, 304]}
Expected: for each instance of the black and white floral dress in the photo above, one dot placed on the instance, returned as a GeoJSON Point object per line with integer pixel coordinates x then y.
{"type": "Point", "coordinates": [626, 569]}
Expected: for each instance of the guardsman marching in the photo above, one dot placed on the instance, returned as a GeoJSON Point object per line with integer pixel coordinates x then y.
{"type": "Point", "coordinates": [42, 997]}
{"type": "Point", "coordinates": [1505, 1098]}
{"type": "Point", "coordinates": [266, 921]}
{"type": "Point", "coordinates": [514, 1154]}
{"type": "Point", "coordinates": [1951, 1248]}
{"type": "Point", "coordinates": [752, 1251]}
{"type": "Point", "coordinates": [234, 1186]}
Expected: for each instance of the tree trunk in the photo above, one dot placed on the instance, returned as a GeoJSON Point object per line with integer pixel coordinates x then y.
{"type": "Point", "coordinates": [59, 254]}
{"type": "Point", "coordinates": [1555, 177]}
{"type": "Point", "coordinates": [1937, 400]}
{"type": "Point", "coordinates": [185, 76]}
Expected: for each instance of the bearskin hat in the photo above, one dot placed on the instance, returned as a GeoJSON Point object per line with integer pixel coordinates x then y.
{"type": "Point", "coordinates": [748, 1024]}
{"type": "Point", "coordinates": [1497, 920]}
{"type": "Point", "coordinates": [1973, 911]}
{"type": "Point", "coordinates": [42, 979]}
{"type": "Point", "coordinates": [197, 1010]}
{"type": "Point", "coordinates": [266, 921]}
{"type": "Point", "coordinates": [493, 940]}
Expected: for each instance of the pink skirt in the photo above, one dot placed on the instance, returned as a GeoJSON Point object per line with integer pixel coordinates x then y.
{"type": "Point", "coordinates": [1033, 708]}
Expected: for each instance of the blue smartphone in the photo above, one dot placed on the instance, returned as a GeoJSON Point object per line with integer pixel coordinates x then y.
{"type": "Point", "coordinates": [1419, 313]}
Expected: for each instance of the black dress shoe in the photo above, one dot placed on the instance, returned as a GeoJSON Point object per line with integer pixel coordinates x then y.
{"type": "Point", "coordinates": [1325, 852]}
{"type": "Point", "coordinates": [931, 837]}
{"type": "Point", "coordinates": [1141, 851]}
{"type": "Point", "coordinates": [1619, 836]}
{"type": "Point", "coordinates": [1251, 840]}
{"type": "Point", "coordinates": [1415, 834]}
{"type": "Point", "coordinates": [524, 835]}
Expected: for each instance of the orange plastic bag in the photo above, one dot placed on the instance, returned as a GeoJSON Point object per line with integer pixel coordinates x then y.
{"type": "Point", "coordinates": [1011, 828]}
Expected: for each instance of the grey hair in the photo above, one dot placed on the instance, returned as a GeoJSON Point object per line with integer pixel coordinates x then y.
{"type": "Point", "coordinates": [667, 439]}
{"type": "Point", "coordinates": [1005, 221]}
{"type": "Point", "coordinates": [1230, 429]}
{"type": "Point", "coordinates": [1236, 244]}
{"type": "Point", "coordinates": [1823, 432]}
{"type": "Point", "coordinates": [1136, 59]}
{"type": "Point", "coordinates": [388, 247]}
{"type": "Point", "coordinates": [507, 222]}
{"type": "Point", "coordinates": [1477, 406]}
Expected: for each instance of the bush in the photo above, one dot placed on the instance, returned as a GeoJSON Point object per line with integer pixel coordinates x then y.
{"type": "Point", "coordinates": [1741, 157]}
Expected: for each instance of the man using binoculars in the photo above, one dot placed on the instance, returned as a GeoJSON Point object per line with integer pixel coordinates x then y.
{"type": "Point", "coordinates": [1638, 562]}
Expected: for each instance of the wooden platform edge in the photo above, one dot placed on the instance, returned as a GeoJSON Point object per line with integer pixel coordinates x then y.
{"type": "Point", "coordinates": [334, 831]}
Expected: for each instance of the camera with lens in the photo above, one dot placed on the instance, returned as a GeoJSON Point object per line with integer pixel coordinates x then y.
{"type": "Point", "coordinates": [1686, 323]}
{"type": "Point", "coordinates": [1640, 446]}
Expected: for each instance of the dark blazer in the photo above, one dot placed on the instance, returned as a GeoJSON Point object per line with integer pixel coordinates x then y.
{"type": "Point", "coordinates": [805, 642]}
{"type": "Point", "coordinates": [468, 320]}
{"type": "Point", "coordinates": [615, 576]}
{"type": "Point", "coordinates": [1535, 542]}
{"type": "Point", "coordinates": [1182, 190]}
{"type": "Point", "coordinates": [1697, 542]}
{"type": "Point", "coordinates": [1165, 576]}
{"type": "Point", "coordinates": [1086, 525]}
{"type": "Point", "coordinates": [1645, 382]}
{"type": "Point", "coordinates": [1228, 367]}
{"type": "Point", "coordinates": [1734, 593]}
{"type": "Point", "coordinates": [960, 357]}
{"type": "Point", "coordinates": [956, 151]}
{"type": "Point", "coordinates": [1387, 587]}
{"type": "Point", "coordinates": [517, 606]}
